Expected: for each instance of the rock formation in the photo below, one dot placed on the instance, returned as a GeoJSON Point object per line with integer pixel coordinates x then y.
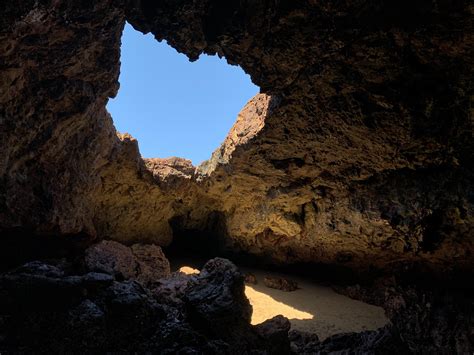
{"type": "Point", "coordinates": [358, 153]}
{"type": "Point", "coordinates": [141, 262]}
{"type": "Point", "coordinates": [123, 316]}
{"type": "Point", "coordinates": [280, 283]}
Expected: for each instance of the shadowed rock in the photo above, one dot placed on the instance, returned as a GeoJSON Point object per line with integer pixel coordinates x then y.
{"type": "Point", "coordinates": [280, 283]}
{"type": "Point", "coordinates": [145, 263]}
{"type": "Point", "coordinates": [216, 300]}
{"type": "Point", "coordinates": [49, 308]}
{"type": "Point", "coordinates": [250, 279]}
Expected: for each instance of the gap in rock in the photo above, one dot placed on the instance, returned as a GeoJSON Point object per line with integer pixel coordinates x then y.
{"type": "Point", "coordinates": [174, 107]}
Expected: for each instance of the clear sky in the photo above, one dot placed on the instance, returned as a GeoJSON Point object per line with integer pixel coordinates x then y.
{"type": "Point", "coordinates": [172, 106]}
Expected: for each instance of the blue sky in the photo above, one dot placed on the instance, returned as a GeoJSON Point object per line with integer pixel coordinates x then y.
{"type": "Point", "coordinates": [172, 106]}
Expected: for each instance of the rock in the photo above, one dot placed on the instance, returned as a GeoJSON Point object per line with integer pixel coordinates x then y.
{"type": "Point", "coordinates": [112, 258]}
{"type": "Point", "coordinates": [250, 279]}
{"type": "Point", "coordinates": [152, 263]}
{"type": "Point", "coordinates": [57, 310]}
{"type": "Point", "coordinates": [145, 263]}
{"type": "Point", "coordinates": [357, 154]}
{"type": "Point", "coordinates": [275, 332]}
{"type": "Point", "coordinates": [302, 342]}
{"type": "Point", "coordinates": [172, 290]}
{"type": "Point", "coordinates": [216, 300]}
{"type": "Point", "coordinates": [382, 341]}
{"type": "Point", "coordinates": [397, 183]}
{"type": "Point", "coordinates": [280, 283]}
{"type": "Point", "coordinates": [422, 326]}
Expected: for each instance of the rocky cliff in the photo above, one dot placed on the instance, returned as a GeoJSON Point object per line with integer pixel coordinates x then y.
{"type": "Point", "coordinates": [358, 152]}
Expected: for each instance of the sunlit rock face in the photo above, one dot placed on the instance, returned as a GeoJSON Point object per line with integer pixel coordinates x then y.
{"type": "Point", "coordinates": [358, 152]}
{"type": "Point", "coordinates": [361, 155]}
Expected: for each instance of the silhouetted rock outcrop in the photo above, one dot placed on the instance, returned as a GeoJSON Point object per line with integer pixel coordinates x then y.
{"type": "Point", "coordinates": [47, 308]}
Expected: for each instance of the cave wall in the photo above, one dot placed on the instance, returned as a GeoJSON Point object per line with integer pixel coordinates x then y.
{"type": "Point", "coordinates": [358, 152]}
{"type": "Point", "coordinates": [59, 64]}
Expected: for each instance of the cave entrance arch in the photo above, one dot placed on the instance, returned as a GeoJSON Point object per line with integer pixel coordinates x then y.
{"type": "Point", "coordinates": [174, 107]}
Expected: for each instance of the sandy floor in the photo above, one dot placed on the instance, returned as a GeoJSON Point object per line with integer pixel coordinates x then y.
{"type": "Point", "coordinates": [312, 308]}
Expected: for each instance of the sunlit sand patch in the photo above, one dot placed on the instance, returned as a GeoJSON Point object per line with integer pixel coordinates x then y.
{"type": "Point", "coordinates": [312, 308]}
{"type": "Point", "coordinates": [188, 270]}
{"type": "Point", "coordinates": [266, 307]}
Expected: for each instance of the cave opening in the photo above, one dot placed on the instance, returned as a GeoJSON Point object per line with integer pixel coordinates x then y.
{"type": "Point", "coordinates": [172, 106]}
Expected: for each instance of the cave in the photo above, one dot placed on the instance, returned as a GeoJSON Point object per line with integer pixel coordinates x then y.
{"type": "Point", "coordinates": [352, 168]}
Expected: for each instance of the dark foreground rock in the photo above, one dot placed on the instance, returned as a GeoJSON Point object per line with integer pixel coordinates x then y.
{"type": "Point", "coordinates": [275, 332]}
{"type": "Point", "coordinates": [54, 307]}
{"type": "Point", "coordinates": [382, 341]}
{"type": "Point", "coordinates": [46, 308]}
{"type": "Point", "coordinates": [429, 319]}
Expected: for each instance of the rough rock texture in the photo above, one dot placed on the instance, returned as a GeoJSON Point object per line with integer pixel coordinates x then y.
{"type": "Point", "coordinates": [250, 278]}
{"type": "Point", "coordinates": [359, 152]}
{"type": "Point", "coordinates": [58, 65]}
{"type": "Point", "coordinates": [428, 320]}
{"type": "Point", "coordinates": [48, 308]}
{"type": "Point", "coordinates": [216, 301]}
{"type": "Point", "coordinates": [275, 331]}
{"type": "Point", "coordinates": [381, 341]}
{"type": "Point", "coordinates": [280, 283]}
{"type": "Point", "coordinates": [144, 263]}
{"type": "Point", "coordinates": [364, 155]}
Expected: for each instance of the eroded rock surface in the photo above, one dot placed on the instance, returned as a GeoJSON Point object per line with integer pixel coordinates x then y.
{"type": "Point", "coordinates": [358, 153]}
{"type": "Point", "coordinates": [427, 319]}
{"type": "Point", "coordinates": [280, 283]}
{"type": "Point", "coordinates": [49, 308]}
{"type": "Point", "coordinates": [144, 263]}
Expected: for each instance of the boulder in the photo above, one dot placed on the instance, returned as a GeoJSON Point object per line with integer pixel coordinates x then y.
{"type": "Point", "coordinates": [152, 263]}
{"type": "Point", "coordinates": [111, 258]}
{"type": "Point", "coordinates": [49, 308]}
{"type": "Point", "coordinates": [216, 300]}
{"type": "Point", "coordinates": [280, 283]}
{"type": "Point", "coordinates": [250, 279]}
{"type": "Point", "coordinates": [144, 263]}
{"type": "Point", "coordinates": [275, 332]}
